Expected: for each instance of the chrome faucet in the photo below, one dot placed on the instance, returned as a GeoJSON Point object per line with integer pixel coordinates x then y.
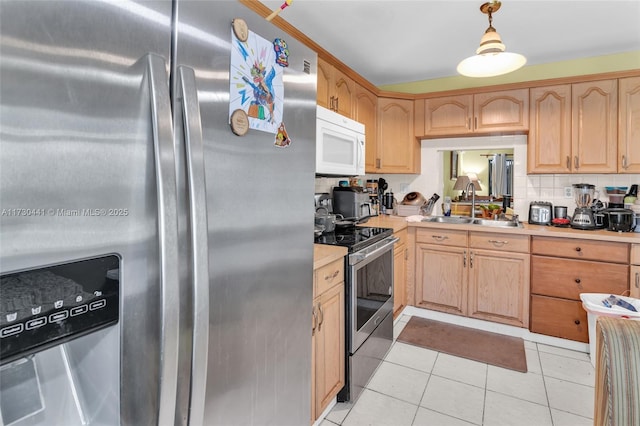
{"type": "Point", "coordinates": [472, 188]}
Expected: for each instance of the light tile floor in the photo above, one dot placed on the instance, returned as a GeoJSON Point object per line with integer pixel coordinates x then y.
{"type": "Point", "coordinates": [415, 386]}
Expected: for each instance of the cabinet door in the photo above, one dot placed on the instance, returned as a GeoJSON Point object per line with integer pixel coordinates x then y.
{"type": "Point", "coordinates": [549, 144]}
{"type": "Point", "coordinates": [344, 91]}
{"type": "Point", "coordinates": [499, 287]}
{"type": "Point", "coordinates": [329, 347]}
{"type": "Point", "coordinates": [629, 125]}
{"type": "Point", "coordinates": [441, 278]}
{"type": "Point", "coordinates": [399, 150]}
{"type": "Point", "coordinates": [399, 273]}
{"type": "Point", "coordinates": [449, 115]}
{"type": "Point", "coordinates": [503, 111]}
{"type": "Point", "coordinates": [594, 131]}
{"type": "Point", "coordinates": [366, 112]}
{"type": "Point", "coordinates": [635, 282]}
{"type": "Point", "coordinates": [325, 84]}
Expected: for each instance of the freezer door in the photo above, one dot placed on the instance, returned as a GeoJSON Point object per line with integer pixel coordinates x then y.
{"type": "Point", "coordinates": [259, 211]}
{"type": "Point", "coordinates": [86, 159]}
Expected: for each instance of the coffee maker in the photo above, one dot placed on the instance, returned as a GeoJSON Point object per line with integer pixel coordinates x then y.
{"type": "Point", "coordinates": [583, 215]}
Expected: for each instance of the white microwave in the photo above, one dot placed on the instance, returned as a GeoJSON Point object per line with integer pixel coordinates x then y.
{"type": "Point", "coordinates": [339, 144]}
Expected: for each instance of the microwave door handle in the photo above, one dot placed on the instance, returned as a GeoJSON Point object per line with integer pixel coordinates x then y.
{"type": "Point", "coordinates": [360, 153]}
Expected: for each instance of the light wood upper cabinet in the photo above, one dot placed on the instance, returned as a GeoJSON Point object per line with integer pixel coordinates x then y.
{"type": "Point", "coordinates": [448, 115]}
{"type": "Point", "coordinates": [594, 130]}
{"type": "Point", "coordinates": [629, 125]}
{"type": "Point", "coordinates": [549, 144]}
{"type": "Point", "coordinates": [366, 112]}
{"type": "Point", "coordinates": [574, 128]}
{"type": "Point", "coordinates": [398, 151]}
{"type": "Point", "coordinates": [335, 91]}
{"type": "Point", "coordinates": [325, 84]}
{"type": "Point", "coordinates": [503, 111]}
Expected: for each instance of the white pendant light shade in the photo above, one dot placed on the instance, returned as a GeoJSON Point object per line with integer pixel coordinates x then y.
{"type": "Point", "coordinates": [491, 59]}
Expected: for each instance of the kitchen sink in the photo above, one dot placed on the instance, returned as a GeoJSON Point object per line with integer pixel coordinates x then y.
{"type": "Point", "coordinates": [497, 223]}
{"type": "Point", "coordinates": [465, 220]}
{"type": "Point", "coordinates": [460, 220]}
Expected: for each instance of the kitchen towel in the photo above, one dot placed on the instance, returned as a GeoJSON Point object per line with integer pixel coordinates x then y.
{"type": "Point", "coordinates": [478, 345]}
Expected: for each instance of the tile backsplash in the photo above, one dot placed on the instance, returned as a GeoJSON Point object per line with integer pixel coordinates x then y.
{"type": "Point", "coordinates": [526, 188]}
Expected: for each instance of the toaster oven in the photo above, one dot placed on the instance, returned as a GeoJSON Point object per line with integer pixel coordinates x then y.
{"type": "Point", "coordinates": [540, 213]}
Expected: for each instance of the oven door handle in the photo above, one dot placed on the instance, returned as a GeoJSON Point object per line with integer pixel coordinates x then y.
{"type": "Point", "coordinates": [363, 255]}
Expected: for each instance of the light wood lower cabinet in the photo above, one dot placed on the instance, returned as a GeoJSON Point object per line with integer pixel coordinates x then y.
{"type": "Point", "coordinates": [499, 286]}
{"type": "Point", "coordinates": [561, 269]}
{"type": "Point", "coordinates": [328, 336]}
{"type": "Point", "coordinates": [441, 278]}
{"type": "Point", "coordinates": [482, 275]}
{"type": "Point", "coordinates": [634, 277]}
{"type": "Point", "coordinates": [399, 272]}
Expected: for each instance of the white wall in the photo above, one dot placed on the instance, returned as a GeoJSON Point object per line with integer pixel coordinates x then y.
{"type": "Point", "coordinates": [525, 188]}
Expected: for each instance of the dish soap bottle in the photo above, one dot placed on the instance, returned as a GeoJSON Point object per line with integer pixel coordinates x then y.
{"type": "Point", "coordinates": [446, 206]}
{"type": "Point", "coordinates": [631, 196]}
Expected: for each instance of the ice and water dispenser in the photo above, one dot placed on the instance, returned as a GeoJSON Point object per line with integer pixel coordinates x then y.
{"type": "Point", "coordinates": [59, 355]}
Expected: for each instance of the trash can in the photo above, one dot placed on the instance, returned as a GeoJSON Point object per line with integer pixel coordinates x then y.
{"type": "Point", "coordinates": [598, 304]}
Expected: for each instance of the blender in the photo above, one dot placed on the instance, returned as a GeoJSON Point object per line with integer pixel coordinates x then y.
{"type": "Point", "coordinates": [583, 216]}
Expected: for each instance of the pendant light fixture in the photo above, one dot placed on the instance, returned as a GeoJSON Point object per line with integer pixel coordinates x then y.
{"type": "Point", "coordinates": [491, 59]}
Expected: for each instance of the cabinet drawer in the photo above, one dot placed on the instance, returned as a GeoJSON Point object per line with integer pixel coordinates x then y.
{"type": "Point", "coordinates": [498, 241]}
{"type": "Point", "coordinates": [568, 278]}
{"type": "Point", "coordinates": [445, 237]}
{"type": "Point", "coordinates": [635, 254]}
{"type": "Point", "coordinates": [559, 317]}
{"type": "Point", "coordinates": [328, 276]}
{"type": "Point", "coordinates": [604, 251]}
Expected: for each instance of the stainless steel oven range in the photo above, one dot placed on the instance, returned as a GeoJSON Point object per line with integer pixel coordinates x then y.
{"type": "Point", "coordinates": [369, 301]}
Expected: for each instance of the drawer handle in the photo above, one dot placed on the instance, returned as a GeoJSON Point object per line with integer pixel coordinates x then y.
{"type": "Point", "coordinates": [498, 243]}
{"type": "Point", "coordinates": [320, 316]}
{"type": "Point", "coordinates": [331, 277]}
{"type": "Point", "coordinates": [577, 280]}
{"type": "Point", "coordinates": [439, 237]}
{"type": "Point", "coordinates": [578, 249]}
{"type": "Point", "coordinates": [577, 322]}
{"type": "Point", "coordinates": [315, 320]}
{"type": "Point", "coordinates": [464, 260]}
{"type": "Point", "coordinates": [637, 279]}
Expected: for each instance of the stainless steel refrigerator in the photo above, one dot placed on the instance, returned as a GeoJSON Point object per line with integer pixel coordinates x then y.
{"type": "Point", "coordinates": [156, 268]}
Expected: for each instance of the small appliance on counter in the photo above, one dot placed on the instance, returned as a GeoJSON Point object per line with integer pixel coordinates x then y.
{"type": "Point", "coordinates": [540, 213]}
{"type": "Point", "coordinates": [620, 220]}
{"type": "Point", "coordinates": [583, 215]}
{"type": "Point", "coordinates": [616, 196]}
{"type": "Point", "coordinates": [351, 202]}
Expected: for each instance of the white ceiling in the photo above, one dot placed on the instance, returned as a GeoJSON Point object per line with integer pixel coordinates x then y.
{"type": "Point", "coordinates": [399, 41]}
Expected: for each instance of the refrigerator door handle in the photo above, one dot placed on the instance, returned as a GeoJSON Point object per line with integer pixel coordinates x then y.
{"type": "Point", "coordinates": [194, 148]}
{"type": "Point", "coordinates": [162, 128]}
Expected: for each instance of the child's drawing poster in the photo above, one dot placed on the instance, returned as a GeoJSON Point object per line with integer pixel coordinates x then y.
{"type": "Point", "coordinates": [256, 82]}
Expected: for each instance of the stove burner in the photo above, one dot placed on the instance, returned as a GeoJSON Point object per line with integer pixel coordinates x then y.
{"type": "Point", "coordinates": [354, 238]}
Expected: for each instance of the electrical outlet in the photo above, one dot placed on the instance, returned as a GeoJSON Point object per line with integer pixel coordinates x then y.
{"type": "Point", "coordinates": [568, 192]}
{"type": "Point", "coordinates": [404, 187]}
